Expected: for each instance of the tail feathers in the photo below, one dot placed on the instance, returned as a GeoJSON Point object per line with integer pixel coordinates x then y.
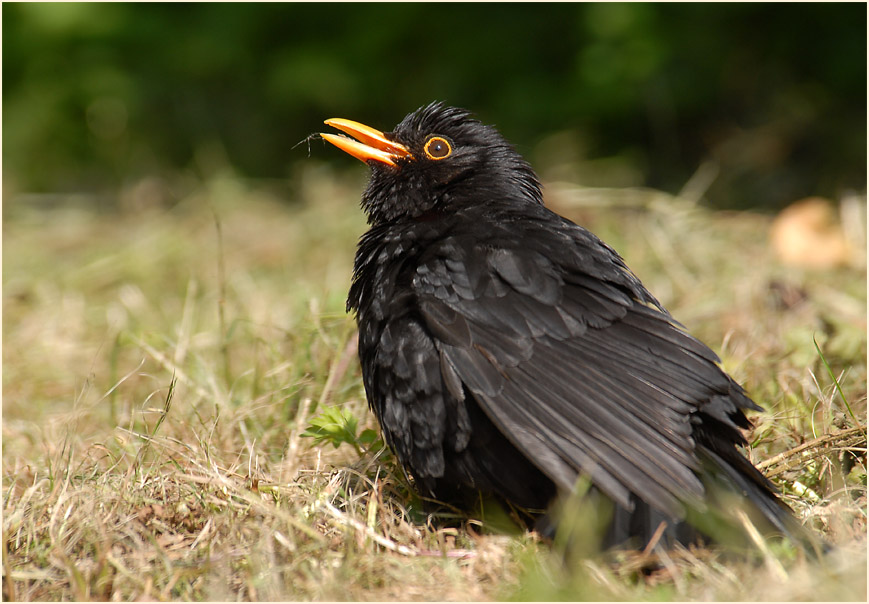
{"type": "Point", "coordinates": [740, 493]}
{"type": "Point", "coordinates": [741, 505]}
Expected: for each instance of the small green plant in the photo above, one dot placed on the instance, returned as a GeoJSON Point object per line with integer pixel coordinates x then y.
{"type": "Point", "coordinates": [337, 425]}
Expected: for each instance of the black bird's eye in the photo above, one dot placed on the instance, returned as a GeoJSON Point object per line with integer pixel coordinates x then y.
{"type": "Point", "coordinates": [437, 148]}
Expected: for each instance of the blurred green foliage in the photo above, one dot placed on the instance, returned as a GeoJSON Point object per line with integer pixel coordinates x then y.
{"type": "Point", "coordinates": [97, 96]}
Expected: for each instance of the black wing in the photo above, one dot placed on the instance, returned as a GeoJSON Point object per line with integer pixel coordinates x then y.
{"type": "Point", "coordinates": [575, 363]}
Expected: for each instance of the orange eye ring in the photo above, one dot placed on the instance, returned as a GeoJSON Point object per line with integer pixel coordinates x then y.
{"type": "Point", "coordinates": [437, 148]}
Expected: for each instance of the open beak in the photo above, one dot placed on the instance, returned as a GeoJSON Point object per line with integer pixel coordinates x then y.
{"type": "Point", "coordinates": [370, 144]}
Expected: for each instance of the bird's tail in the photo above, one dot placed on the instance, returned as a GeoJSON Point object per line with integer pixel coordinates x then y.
{"type": "Point", "coordinates": [741, 510]}
{"type": "Point", "coordinates": [744, 506]}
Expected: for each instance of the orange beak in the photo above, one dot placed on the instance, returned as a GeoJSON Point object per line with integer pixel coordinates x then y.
{"type": "Point", "coordinates": [370, 144]}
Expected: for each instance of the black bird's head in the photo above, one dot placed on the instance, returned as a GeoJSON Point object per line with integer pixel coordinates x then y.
{"type": "Point", "coordinates": [438, 159]}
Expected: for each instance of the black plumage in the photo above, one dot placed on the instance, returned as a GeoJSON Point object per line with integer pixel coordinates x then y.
{"type": "Point", "coordinates": [508, 351]}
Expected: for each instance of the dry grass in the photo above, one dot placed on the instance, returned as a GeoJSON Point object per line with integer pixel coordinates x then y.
{"type": "Point", "coordinates": [157, 379]}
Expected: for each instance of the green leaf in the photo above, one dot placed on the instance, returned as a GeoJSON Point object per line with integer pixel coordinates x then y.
{"type": "Point", "coordinates": [334, 425]}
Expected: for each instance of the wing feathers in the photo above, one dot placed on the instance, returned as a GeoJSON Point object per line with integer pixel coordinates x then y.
{"type": "Point", "coordinates": [578, 374]}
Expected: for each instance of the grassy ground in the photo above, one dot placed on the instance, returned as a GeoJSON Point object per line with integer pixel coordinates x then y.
{"type": "Point", "coordinates": [164, 366]}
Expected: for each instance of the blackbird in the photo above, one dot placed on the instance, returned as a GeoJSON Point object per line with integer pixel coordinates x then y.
{"type": "Point", "coordinates": [507, 351]}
